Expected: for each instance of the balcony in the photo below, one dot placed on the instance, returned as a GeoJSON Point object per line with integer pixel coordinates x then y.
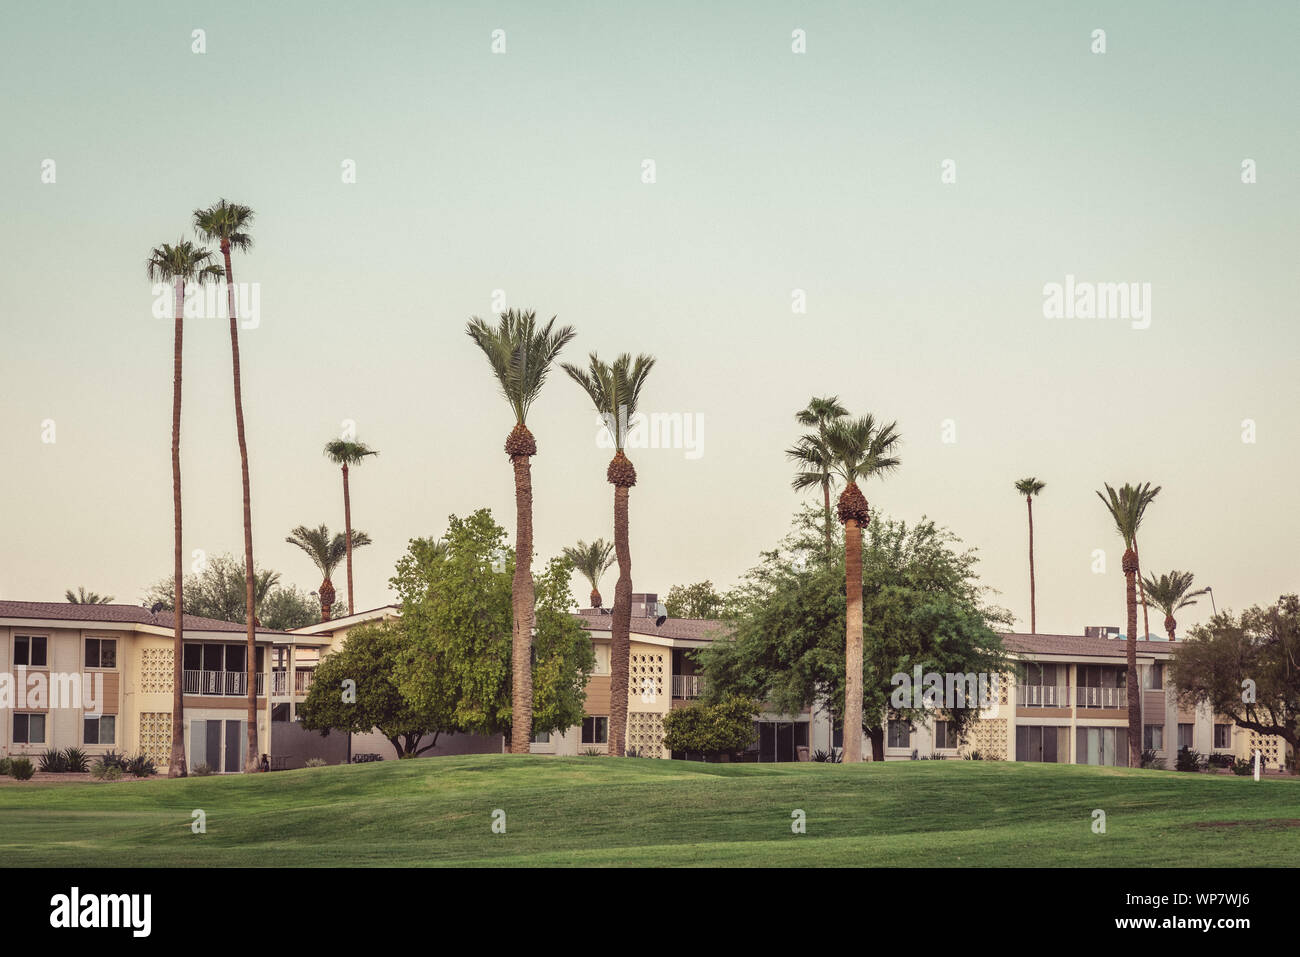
{"type": "Point", "coordinates": [1043, 696]}
{"type": "Point", "coordinates": [1101, 697]}
{"type": "Point", "coordinates": [220, 683]}
{"type": "Point", "coordinates": [686, 686]}
{"type": "Point", "coordinates": [301, 683]}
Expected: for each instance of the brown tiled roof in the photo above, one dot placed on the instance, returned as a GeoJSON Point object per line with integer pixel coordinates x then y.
{"type": "Point", "coordinates": [1079, 645]}
{"type": "Point", "coordinates": [694, 629]}
{"type": "Point", "coordinates": [117, 614]}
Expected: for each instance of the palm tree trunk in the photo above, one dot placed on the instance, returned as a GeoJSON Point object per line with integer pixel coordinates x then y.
{"type": "Point", "coordinates": [521, 645]}
{"type": "Point", "coordinates": [1146, 623]}
{"type": "Point", "coordinates": [1033, 598]}
{"type": "Point", "coordinates": [620, 629]}
{"type": "Point", "coordinates": [852, 641]}
{"type": "Point", "coordinates": [347, 530]}
{"type": "Point", "coordinates": [176, 765]}
{"type": "Point", "coordinates": [1134, 708]}
{"type": "Point", "coordinates": [251, 762]}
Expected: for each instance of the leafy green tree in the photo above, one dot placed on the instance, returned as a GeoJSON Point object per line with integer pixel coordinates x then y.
{"type": "Point", "coordinates": [457, 608]}
{"type": "Point", "coordinates": [1247, 669]}
{"type": "Point", "coordinates": [287, 608]}
{"type": "Point", "coordinates": [354, 690]}
{"type": "Point", "coordinates": [700, 600]}
{"type": "Point", "coordinates": [922, 605]}
{"type": "Point", "coordinates": [219, 592]}
{"type": "Point", "coordinates": [725, 726]}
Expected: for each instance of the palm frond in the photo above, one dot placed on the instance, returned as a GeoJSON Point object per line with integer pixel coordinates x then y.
{"type": "Point", "coordinates": [520, 353]}
{"type": "Point", "coordinates": [342, 452]}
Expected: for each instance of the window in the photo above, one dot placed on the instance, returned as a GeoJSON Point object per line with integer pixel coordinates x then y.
{"type": "Point", "coordinates": [542, 737]}
{"type": "Point", "coordinates": [101, 652]}
{"type": "Point", "coordinates": [900, 734]}
{"type": "Point", "coordinates": [1043, 743]}
{"type": "Point", "coordinates": [1184, 737]}
{"type": "Point", "coordinates": [1154, 676]}
{"type": "Point", "coordinates": [945, 734]}
{"type": "Point", "coordinates": [595, 730]}
{"type": "Point", "coordinates": [29, 729]}
{"type": "Point", "coordinates": [1153, 737]}
{"type": "Point", "coordinates": [30, 650]}
{"type": "Point", "coordinates": [1105, 746]}
{"type": "Point", "coordinates": [101, 730]}
{"type": "Point", "coordinates": [602, 659]}
{"type": "Point", "coordinates": [1223, 735]}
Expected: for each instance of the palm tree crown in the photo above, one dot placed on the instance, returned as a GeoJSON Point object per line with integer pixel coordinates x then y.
{"type": "Point", "coordinates": [592, 561]}
{"type": "Point", "coordinates": [83, 597]}
{"type": "Point", "coordinates": [325, 551]}
{"type": "Point", "coordinates": [1170, 593]}
{"type": "Point", "coordinates": [1030, 486]}
{"type": "Point", "coordinates": [861, 448]}
{"type": "Point", "coordinates": [184, 261]}
{"type": "Point", "coordinates": [614, 388]}
{"type": "Point", "coordinates": [1127, 506]}
{"type": "Point", "coordinates": [341, 452]}
{"type": "Point", "coordinates": [226, 223]}
{"type": "Point", "coordinates": [521, 353]}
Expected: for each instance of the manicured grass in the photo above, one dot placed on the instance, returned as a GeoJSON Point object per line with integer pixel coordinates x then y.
{"type": "Point", "coordinates": [601, 811]}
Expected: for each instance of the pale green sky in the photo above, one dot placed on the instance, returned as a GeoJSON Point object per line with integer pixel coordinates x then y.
{"type": "Point", "coordinates": [776, 171]}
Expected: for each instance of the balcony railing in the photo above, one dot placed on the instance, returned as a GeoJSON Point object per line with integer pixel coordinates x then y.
{"type": "Point", "coordinates": [301, 683]}
{"type": "Point", "coordinates": [1101, 697]}
{"type": "Point", "coordinates": [220, 683]}
{"type": "Point", "coordinates": [1043, 696]}
{"type": "Point", "coordinates": [686, 686]}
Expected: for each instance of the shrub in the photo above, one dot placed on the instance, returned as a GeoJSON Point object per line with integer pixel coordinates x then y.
{"type": "Point", "coordinates": [53, 762]}
{"type": "Point", "coordinates": [593, 753]}
{"type": "Point", "coordinates": [104, 770]}
{"type": "Point", "coordinates": [201, 770]}
{"type": "Point", "coordinates": [4, 766]}
{"type": "Point", "coordinates": [78, 763]}
{"type": "Point", "coordinates": [21, 768]}
{"type": "Point", "coordinates": [828, 757]}
{"type": "Point", "coordinates": [1219, 760]}
{"type": "Point", "coordinates": [315, 763]}
{"type": "Point", "coordinates": [723, 728]}
{"type": "Point", "coordinates": [1151, 762]}
{"type": "Point", "coordinates": [974, 756]}
{"type": "Point", "coordinates": [366, 758]}
{"type": "Point", "coordinates": [1188, 760]}
{"type": "Point", "coordinates": [1243, 767]}
{"type": "Point", "coordinates": [140, 766]}
{"type": "Point", "coordinates": [112, 759]}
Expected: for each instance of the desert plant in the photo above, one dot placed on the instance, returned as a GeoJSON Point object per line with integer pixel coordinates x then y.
{"type": "Point", "coordinates": [201, 770]}
{"type": "Point", "coordinates": [1243, 767]}
{"type": "Point", "coordinates": [366, 758]}
{"type": "Point", "coordinates": [316, 763]}
{"type": "Point", "coordinates": [593, 753]}
{"type": "Point", "coordinates": [78, 762]}
{"type": "Point", "coordinates": [4, 766]}
{"type": "Point", "coordinates": [53, 762]}
{"type": "Point", "coordinates": [1150, 761]}
{"type": "Point", "coordinates": [1188, 760]}
{"type": "Point", "coordinates": [21, 768]}
{"type": "Point", "coordinates": [833, 756]}
{"type": "Point", "coordinates": [140, 766]}
{"type": "Point", "coordinates": [1219, 760]}
{"type": "Point", "coordinates": [113, 759]}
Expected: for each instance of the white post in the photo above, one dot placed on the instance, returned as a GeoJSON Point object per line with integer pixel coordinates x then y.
{"type": "Point", "coordinates": [1257, 755]}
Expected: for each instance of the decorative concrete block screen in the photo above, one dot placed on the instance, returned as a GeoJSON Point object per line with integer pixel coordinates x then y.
{"type": "Point", "coordinates": [156, 734]}
{"type": "Point", "coordinates": [1270, 745]}
{"type": "Point", "coordinates": [645, 734]}
{"type": "Point", "coordinates": [646, 677]}
{"type": "Point", "coordinates": [156, 672]}
{"type": "Point", "coordinates": [989, 737]}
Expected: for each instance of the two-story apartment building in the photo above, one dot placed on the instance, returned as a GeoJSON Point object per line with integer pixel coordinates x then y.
{"type": "Point", "coordinates": [99, 678]}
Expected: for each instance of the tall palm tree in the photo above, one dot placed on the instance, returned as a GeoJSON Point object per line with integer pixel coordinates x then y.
{"type": "Point", "coordinates": [593, 561]}
{"type": "Point", "coordinates": [1126, 508]}
{"type": "Point", "coordinates": [343, 453]}
{"type": "Point", "coordinates": [179, 264]}
{"type": "Point", "coordinates": [83, 597]}
{"type": "Point", "coordinates": [615, 390]}
{"type": "Point", "coordinates": [1029, 487]}
{"type": "Point", "coordinates": [1170, 593]}
{"type": "Point", "coordinates": [227, 224]}
{"type": "Point", "coordinates": [326, 553]}
{"type": "Point", "coordinates": [861, 448]}
{"type": "Point", "coordinates": [521, 352]}
{"type": "Point", "coordinates": [813, 455]}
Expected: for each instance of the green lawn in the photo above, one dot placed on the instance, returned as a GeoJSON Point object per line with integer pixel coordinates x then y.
{"type": "Point", "coordinates": [600, 811]}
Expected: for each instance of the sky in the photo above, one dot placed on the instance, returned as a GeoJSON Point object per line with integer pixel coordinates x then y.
{"type": "Point", "coordinates": [520, 176]}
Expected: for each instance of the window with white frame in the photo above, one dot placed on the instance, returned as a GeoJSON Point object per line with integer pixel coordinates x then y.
{"type": "Point", "coordinates": [945, 735]}
{"type": "Point", "coordinates": [602, 659]}
{"type": "Point", "coordinates": [30, 650]}
{"type": "Point", "coordinates": [101, 730]}
{"type": "Point", "coordinates": [900, 734]}
{"type": "Point", "coordinates": [1153, 737]}
{"type": "Point", "coordinates": [1185, 732]}
{"type": "Point", "coordinates": [101, 652]}
{"type": "Point", "coordinates": [1223, 735]}
{"type": "Point", "coordinates": [29, 729]}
